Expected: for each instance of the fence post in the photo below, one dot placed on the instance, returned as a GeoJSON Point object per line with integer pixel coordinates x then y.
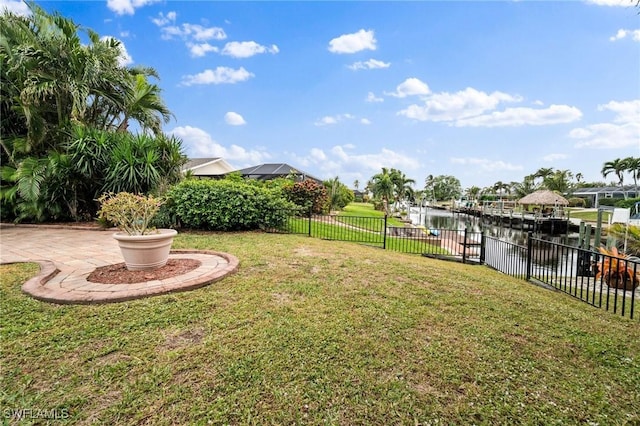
{"type": "Point", "coordinates": [529, 253]}
{"type": "Point", "coordinates": [310, 215]}
{"type": "Point", "coordinates": [483, 242]}
{"type": "Point", "coordinates": [384, 235]}
{"type": "Point", "coordinates": [464, 246]}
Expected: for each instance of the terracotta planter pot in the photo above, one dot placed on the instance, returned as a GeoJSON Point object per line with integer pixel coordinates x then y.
{"type": "Point", "coordinates": [143, 252]}
{"type": "Point", "coordinates": [621, 281]}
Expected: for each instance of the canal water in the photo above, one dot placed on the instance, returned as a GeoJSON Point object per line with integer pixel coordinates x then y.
{"type": "Point", "coordinates": [443, 219]}
{"type": "Point", "coordinates": [514, 259]}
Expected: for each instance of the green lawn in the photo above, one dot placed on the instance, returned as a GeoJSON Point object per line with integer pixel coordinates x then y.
{"type": "Point", "coordinates": [367, 210]}
{"type": "Point", "coordinates": [589, 216]}
{"type": "Point", "coordinates": [318, 332]}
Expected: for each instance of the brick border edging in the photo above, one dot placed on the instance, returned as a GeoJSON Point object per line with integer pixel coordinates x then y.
{"type": "Point", "coordinates": [35, 287]}
{"type": "Point", "coordinates": [69, 226]}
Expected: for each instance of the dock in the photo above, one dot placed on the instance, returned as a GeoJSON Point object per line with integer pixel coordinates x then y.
{"type": "Point", "coordinates": [554, 222]}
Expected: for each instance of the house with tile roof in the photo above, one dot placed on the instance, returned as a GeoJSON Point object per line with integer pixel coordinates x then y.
{"type": "Point", "coordinates": [214, 167]}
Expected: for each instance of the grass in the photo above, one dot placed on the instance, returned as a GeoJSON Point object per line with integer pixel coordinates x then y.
{"type": "Point", "coordinates": [314, 332]}
{"type": "Point", "coordinates": [589, 216]}
{"type": "Point", "coordinates": [362, 231]}
{"type": "Point", "coordinates": [367, 210]}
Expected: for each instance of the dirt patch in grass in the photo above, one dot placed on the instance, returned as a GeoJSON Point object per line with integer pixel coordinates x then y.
{"type": "Point", "coordinates": [119, 274]}
{"type": "Point", "coordinates": [183, 339]}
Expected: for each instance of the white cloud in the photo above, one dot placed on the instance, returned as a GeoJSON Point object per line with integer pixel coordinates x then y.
{"type": "Point", "coordinates": [127, 7]}
{"type": "Point", "coordinates": [371, 97]}
{"type": "Point", "coordinates": [620, 3]}
{"type": "Point", "coordinates": [318, 154]}
{"type": "Point", "coordinates": [634, 34]}
{"type": "Point", "coordinates": [124, 34]}
{"type": "Point", "coordinates": [163, 19]}
{"type": "Point", "coordinates": [550, 158]}
{"type": "Point", "coordinates": [410, 87]}
{"type": "Point", "coordinates": [221, 75]}
{"type": "Point", "coordinates": [352, 43]}
{"type": "Point", "coordinates": [623, 132]}
{"type": "Point", "coordinates": [333, 119]}
{"type": "Point", "coordinates": [554, 114]}
{"type": "Point", "coordinates": [193, 32]}
{"type": "Point", "coordinates": [234, 119]}
{"type": "Point", "coordinates": [199, 50]}
{"type": "Point", "coordinates": [446, 106]}
{"type": "Point", "coordinates": [365, 121]}
{"type": "Point", "coordinates": [369, 65]}
{"type": "Point", "coordinates": [124, 59]}
{"type": "Point", "coordinates": [246, 49]}
{"type": "Point", "coordinates": [199, 143]}
{"type": "Point", "coordinates": [375, 161]}
{"type": "Point", "coordinates": [17, 7]}
{"type": "Point", "coordinates": [486, 164]}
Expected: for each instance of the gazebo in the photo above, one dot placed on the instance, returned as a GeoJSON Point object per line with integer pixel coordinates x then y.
{"type": "Point", "coordinates": [545, 199]}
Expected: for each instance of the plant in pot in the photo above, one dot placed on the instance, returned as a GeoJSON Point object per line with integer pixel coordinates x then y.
{"type": "Point", "coordinates": [617, 270]}
{"type": "Point", "coordinates": [143, 246]}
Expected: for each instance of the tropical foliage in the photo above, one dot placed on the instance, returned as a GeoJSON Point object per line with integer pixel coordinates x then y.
{"type": "Point", "coordinates": [131, 213]}
{"type": "Point", "coordinates": [616, 271]}
{"type": "Point", "coordinates": [391, 185]}
{"type": "Point", "coordinates": [229, 205]}
{"type": "Point", "coordinates": [66, 105]}
{"type": "Point", "coordinates": [339, 194]}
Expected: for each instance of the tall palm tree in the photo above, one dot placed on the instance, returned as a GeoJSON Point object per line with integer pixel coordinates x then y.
{"type": "Point", "coordinates": [618, 167]}
{"type": "Point", "coordinates": [558, 181]}
{"type": "Point", "coordinates": [633, 167]}
{"type": "Point", "coordinates": [401, 186]}
{"type": "Point", "coordinates": [542, 173]}
{"type": "Point", "coordinates": [383, 187]}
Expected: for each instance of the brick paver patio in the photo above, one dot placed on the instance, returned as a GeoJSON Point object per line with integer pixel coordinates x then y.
{"type": "Point", "coordinates": [67, 256]}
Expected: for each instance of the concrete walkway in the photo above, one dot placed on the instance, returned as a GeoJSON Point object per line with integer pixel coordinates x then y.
{"type": "Point", "coordinates": [67, 256]}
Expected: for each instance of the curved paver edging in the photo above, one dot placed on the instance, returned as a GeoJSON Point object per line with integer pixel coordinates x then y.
{"type": "Point", "coordinates": [77, 290]}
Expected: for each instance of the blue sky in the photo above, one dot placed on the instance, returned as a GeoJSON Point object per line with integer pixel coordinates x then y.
{"type": "Point", "coordinates": [484, 91]}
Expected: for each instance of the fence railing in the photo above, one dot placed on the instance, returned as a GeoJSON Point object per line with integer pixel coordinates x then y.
{"type": "Point", "coordinates": [603, 281]}
{"type": "Point", "coordinates": [600, 280]}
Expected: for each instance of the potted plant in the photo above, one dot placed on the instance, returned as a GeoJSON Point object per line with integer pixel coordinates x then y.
{"type": "Point", "coordinates": [143, 246]}
{"type": "Point", "coordinates": [616, 270]}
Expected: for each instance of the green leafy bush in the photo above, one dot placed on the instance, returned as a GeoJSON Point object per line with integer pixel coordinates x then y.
{"type": "Point", "coordinates": [307, 194]}
{"type": "Point", "coordinates": [628, 203]}
{"type": "Point", "coordinates": [608, 201]}
{"type": "Point", "coordinates": [577, 202]}
{"type": "Point", "coordinates": [227, 205]}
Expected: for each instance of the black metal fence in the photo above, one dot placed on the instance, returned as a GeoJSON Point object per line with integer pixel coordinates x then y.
{"type": "Point", "coordinates": [600, 280]}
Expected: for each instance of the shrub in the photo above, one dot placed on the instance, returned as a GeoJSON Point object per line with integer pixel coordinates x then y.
{"type": "Point", "coordinates": [628, 203]}
{"type": "Point", "coordinates": [577, 202]}
{"type": "Point", "coordinates": [307, 194]}
{"type": "Point", "coordinates": [226, 205]}
{"type": "Point", "coordinates": [131, 213]}
{"type": "Point", "coordinates": [608, 201]}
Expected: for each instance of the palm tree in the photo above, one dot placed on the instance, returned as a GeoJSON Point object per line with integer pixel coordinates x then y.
{"type": "Point", "coordinates": [558, 181]}
{"type": "Point", "coordinates": [543, 173]}
{"type": "Point", "coordinates": [383, 187]}
{"type": "Point", "coordinates": [501, 188]}
{"type": "Point", "coordinates": [429, 187]}
{"type": "Point", "coordinates": [633, 167]}
{"type": "Point", "coordinates": [401, 186]}
{"type": "Point", "coordinates": [356, 184]}
{"type": "Point", "coordinates": [618, 167]}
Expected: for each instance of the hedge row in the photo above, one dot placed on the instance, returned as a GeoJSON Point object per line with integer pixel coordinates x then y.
{"type": "Point", "coordinates": [226, 205]}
